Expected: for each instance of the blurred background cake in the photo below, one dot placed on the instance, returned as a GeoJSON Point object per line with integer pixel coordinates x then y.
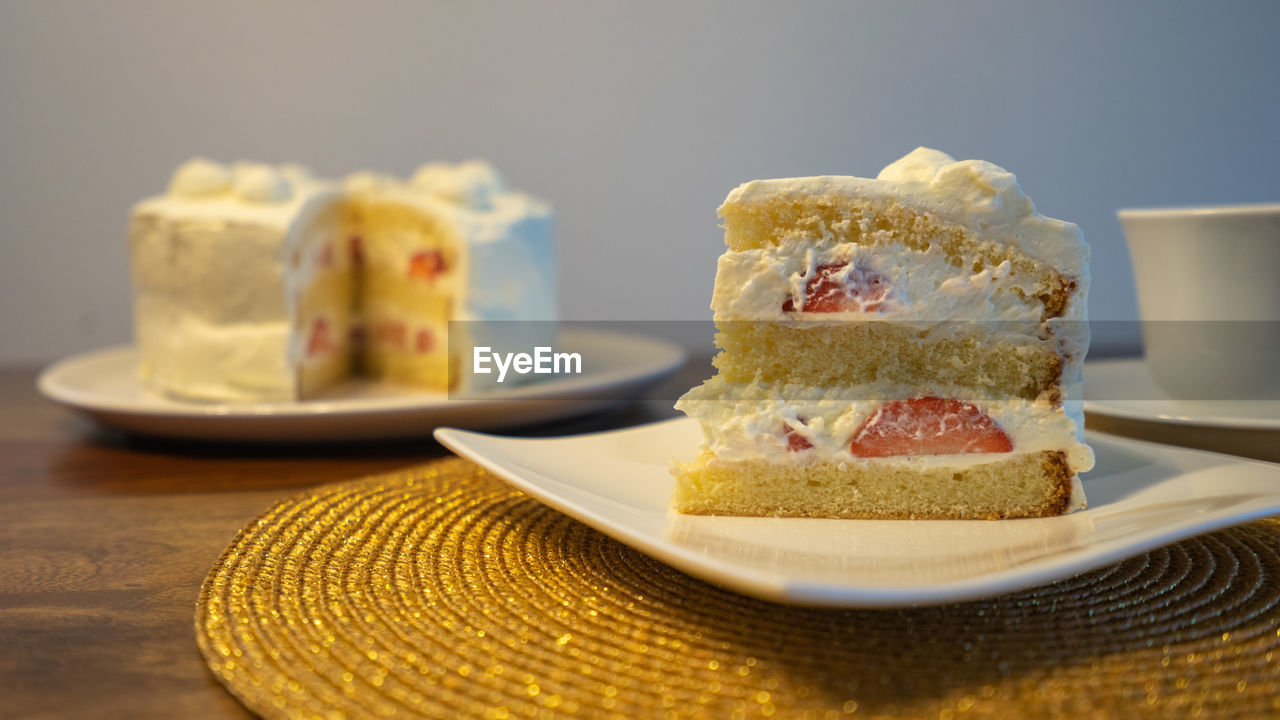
{"type": "Point", "coordinates": [261, 283]}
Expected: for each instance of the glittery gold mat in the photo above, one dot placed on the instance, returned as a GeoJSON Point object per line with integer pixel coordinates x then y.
{"type": "Point", "coordinates": [440, 592]}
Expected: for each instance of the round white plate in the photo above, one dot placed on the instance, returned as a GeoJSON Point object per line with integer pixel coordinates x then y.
{"type": "Point", "coordinates": [1124, 389]}
{"type": "Point", "coordinates": [104, 385]}
{"type": "Point", "coordinates": [1141, 496]}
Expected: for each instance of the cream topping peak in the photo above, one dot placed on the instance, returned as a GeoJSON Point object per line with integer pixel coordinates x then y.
{"type": "Point", "coordinates": [370, 181]}
{"type": "Point", "coordinates": [979, 185]}
{"type": "Point", "coordinates": [473, 183]}
{"type": "Point", "coordinates": [259, 183]}
{"type": "Point", "coordinates": [202, 179]}
{"type": "Point", "coordinates": [919, 165]}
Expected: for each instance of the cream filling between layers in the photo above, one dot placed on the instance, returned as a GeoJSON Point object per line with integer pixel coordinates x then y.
{"type": "Point", "coordinates": [750, 422]}
{"type": "Point", "coordinates": [923, 286]}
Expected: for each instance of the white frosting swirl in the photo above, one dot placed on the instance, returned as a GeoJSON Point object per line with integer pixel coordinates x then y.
{"type": "Point", "coordinates": [259, 183]}
{"type": "Point", "coordinates": [919, 165]}
{"type": "Point", "coordinates": [368, 181]}
{"type": "Point", "coordinates": [296, 173]}
{"type": "Point", "coordinates": [200, 178]}
{"type": "Point", "coordinates": [979, 186]}
{"type": "Point", "coordinates": [473, 183]}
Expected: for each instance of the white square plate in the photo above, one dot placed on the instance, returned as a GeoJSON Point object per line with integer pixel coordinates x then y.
{"type": "Point", "coordinates": [1141, 496]}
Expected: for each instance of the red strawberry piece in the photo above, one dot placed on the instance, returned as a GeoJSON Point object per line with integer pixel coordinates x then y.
{"type": "Point", "coordinates": [357, 250]}
{"type": "Point", "coordinates": [795, 441]}
{"type": "Point", "coordinates": [424, 341]}
{"type": "Point", "coordinates": [390, 333]}
{"type": "Point", "coordinates": [929, 426]}
{"type": "Point", "coordinates": [841, 287]}
{"type": "Point", "coordinates": [358, 335]}
{"type": "Point", "coordinates": [318, 340]}
{"type": "Point", "coordinates": [426, 265]}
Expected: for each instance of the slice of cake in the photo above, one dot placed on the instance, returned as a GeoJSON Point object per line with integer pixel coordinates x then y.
{"type": "Point", "coordinates": [903, 347]}
{"type": "Point", "coordinates": [258, 283]}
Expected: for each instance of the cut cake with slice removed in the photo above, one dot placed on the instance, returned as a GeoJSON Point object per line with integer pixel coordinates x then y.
{"type": "Point", "coordinates": [258, 283]}
{"type": "Point", "coordinates": [901, 347]}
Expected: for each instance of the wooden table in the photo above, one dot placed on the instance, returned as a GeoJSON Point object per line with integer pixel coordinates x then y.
{"type": "Point", "coordinates": [105, 540]}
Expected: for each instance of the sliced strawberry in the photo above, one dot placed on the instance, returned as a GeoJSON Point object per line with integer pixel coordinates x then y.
{"type": "Point", "coordinates": [929, 426]}
{"type": "Point", "coordinates": [390, 333]}
{"type": "Point", "coordinates": [423, 341]}
{"type": "Point", "coordinates": [841, 287]}
{"type": "Point", "coordinates": [795, 441]}
{"type": "Point", "coordinates": [357, 250]}
{"type": "Point", "coordinates": [426, 265]}
{"type": "Point", "coordinates": [318, 341]}
{"type": "Point", "coordinates": [358, 335]}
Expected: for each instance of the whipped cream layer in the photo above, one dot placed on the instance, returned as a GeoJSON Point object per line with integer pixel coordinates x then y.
{"type": "Point", "coordinates": [750, 421]}
{"type": "Point", "coordinates": [922, 286]}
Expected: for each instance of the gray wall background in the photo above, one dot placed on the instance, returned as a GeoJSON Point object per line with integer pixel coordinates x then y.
{"type": "Point", "coordinates": [633, 119]}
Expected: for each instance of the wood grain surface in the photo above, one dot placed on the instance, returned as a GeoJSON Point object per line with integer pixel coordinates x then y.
{"type": "Point", "coordinates": [106, 538]}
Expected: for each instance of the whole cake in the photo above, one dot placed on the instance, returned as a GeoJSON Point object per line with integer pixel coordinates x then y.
{"type": "Point", "coordinates": [262, 283]}
{"type": "Point", "coordinates": [908, 346]}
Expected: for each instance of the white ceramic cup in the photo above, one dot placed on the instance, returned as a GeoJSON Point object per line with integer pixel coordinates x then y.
{"type": "Point", "coordinates": [1208, 282]}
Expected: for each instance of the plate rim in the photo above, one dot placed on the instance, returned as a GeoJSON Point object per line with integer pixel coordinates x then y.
{"type": "Point", "coordinates": [51, 386]}
{"type": "Point", "coordinates": [1111, 409]}
{"type": "Point", "coordinates": [774, 588]}
{"type": "Point", "coordinates": [359, 419]}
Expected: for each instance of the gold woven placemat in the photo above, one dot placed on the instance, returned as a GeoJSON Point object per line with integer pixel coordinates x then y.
{"type": "Point", "coordinates": [441, 592]}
